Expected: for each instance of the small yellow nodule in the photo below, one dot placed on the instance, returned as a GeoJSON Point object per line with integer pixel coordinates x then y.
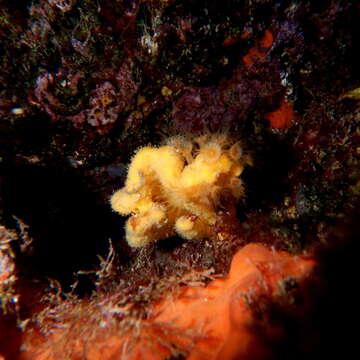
{"type": "Point", "coordinates": [124, 202]}
{"type": "Point", "coordinates": [136, 240]}
{"type": "Point", "coordinates": [183, 223]}
{"type": "Point", "coordinates": [210, 152]}
{"type": "Point", "coordinates": [165, 91]}
{"type": "Point", "coordinates": [185, 227]}
{"type": "Point", "coordinates": [237, 169]}
{"type": "Point", "coordinates": [235, 151]}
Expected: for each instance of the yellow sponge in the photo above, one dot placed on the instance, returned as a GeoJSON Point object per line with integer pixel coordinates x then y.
{"type": "Point", "coordinates": [173, 188]}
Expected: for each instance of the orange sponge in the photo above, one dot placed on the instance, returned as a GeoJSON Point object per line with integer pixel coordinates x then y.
{"type": "Point", "coordinates": [213, 322]}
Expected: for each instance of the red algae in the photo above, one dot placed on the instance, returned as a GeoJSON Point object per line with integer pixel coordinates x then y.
{"type": "Point", "coordinates": [258, 52]}
{"type": "Point", "coordinates": [281, 118]}
{"type": "Point", "coordinates": [252, 56]}
{"type": "Point", "coordinates": [267, 39]}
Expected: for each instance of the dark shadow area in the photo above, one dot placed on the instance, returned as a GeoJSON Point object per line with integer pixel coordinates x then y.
{"type": "Point", "coordinates": [10, 337]}
{"type": "Point", "coordinates": [322, 325]}
{"type": "Point", "coordinates": [332, 321]}
{"type": "Point", "coordinates": [267, 181]}
{"type": "Point", "coordinates": [169, 244]}
{"type": "Point", "coordinates": [27, 135]}
{"type": "Point", "coordinates": [68, 227]}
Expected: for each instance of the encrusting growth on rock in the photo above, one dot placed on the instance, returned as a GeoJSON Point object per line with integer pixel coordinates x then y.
{"type": "Point", "coordinates": [178, 187]}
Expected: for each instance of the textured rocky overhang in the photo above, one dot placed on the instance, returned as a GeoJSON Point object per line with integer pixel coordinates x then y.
{"type": "Point", "coordinates": [85, 84]}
